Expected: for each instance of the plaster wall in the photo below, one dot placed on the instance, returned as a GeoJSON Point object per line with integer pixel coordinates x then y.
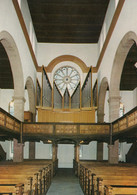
{"type": "Point", "coordinates": [10, 23]}
{"type": "Point", "coordinates": [46, 52]}
{"type": "Point", "coordinates": [88, 152]}
{"type": "Point", "coordinates": [135, 97]}
{"type": "Point", "coordinates": [43, 151]}
{"type": "Point", "coordinates": [107, 21]}
{"type": "Point", "coordinates": [128, 15]}
{"type": "Point", "coordinates": [6, 95]}
{"type": "Point", "coordinates": [65, 155]}
{"type": "Point", "coordinates": [28, 22]}
{"type": "Point", "coordinates": [127, 100]}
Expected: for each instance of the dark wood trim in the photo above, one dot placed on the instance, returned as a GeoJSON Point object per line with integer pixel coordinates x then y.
{"type": "Point", "coordinates": [24, 29]}
{"type": "Point", "coordinates": [109, 34]}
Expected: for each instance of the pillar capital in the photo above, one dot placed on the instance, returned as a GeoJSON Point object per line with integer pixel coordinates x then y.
{"type": "Point", "coordinates": [21, 98]}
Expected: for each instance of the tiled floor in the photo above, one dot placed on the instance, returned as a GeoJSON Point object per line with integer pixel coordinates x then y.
{"type": "Point", "coordinates": [65, 183]}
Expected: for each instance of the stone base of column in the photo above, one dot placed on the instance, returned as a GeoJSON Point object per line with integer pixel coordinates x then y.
{"type": "Point", "coordinates": [31, 150]}
{"type": "Point", "coordinates": [113, 153]}
{"type": "Point", "coordinates": [18, 151]}
{"type": "Point", "coordinates": [100, 151]}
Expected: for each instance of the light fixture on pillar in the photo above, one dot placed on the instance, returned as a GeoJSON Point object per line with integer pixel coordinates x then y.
{"type": "Point", "coordinates": [49, 141]}
{"type": "Point", "coordinates": [135, 65]}
{"type": "Point", "coordinates": [81, 142]}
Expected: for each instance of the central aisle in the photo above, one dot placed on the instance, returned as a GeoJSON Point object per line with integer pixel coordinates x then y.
{"type": "Point", "coordinates": [65, 183]}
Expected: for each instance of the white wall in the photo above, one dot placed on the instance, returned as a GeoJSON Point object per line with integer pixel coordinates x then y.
{"type": "Point", "coordinates": [10, 23]}
{"type": "Point", "coordinates": [6, 95]}
{"type": "Point", "coordinates": [65, 155]}
{"type": "Point", "coordinates": [129, 16]}
{"type": "Point", "coordinates": [105, 151]}
{"type": "Point", "coordinates": [107, 21]}
{"type": "Point", "coordinates": [123, 150]}
{"type": "Point", "coordinates": [43, 151]}
{"type": "Point", "coordinates": [46, 52]}
{"type": "Point", "coordinates": [28, 22]}
{"type": "Point", "coordinates": [89, 152]}
{"type": "Point", "coordinates": [106, 108]}
{"type": "Point", "coordinates": [127, 100]}
{"type": "Point", "coordinates": [135, 97]}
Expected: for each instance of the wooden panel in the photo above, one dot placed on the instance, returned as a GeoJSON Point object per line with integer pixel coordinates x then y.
{"type": "Point", "coordinates": [94, 129]}
{"type": "Point", "coordinates": [28, 116]}
{"type": "Point", "coordinates": [77, 116]}
{"type": "Point", "coordinates": [132, 118]}
{"type": "Point", "coordinates": [123, 124]}
{"type": "Point", "coordinates": [38, 128]}
{"type": "Point", "coordinates": [2, 118]}
{"type": "Point", "coordinates": [124, 190]}
{"type": "Point", "coordinates": [66, 129]}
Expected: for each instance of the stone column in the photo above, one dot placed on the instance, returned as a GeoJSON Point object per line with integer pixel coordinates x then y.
{"type": "Point", "coordinates": [100, 144]}
{"type": "Point", "coordinates": [19, 114]}
{"type": "Point", "coordinates": [31, 150]}
{"type": "Point", "coordinates": [114, 103]}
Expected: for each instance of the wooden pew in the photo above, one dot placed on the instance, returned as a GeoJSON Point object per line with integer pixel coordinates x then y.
{"type": "Point", "coordinates": [35, 176]}
{"type": "Point", "coordinates": [102, 178]}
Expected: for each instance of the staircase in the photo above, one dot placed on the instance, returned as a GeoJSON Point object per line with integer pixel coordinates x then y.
{"type": "Point", "coordinates": [131, 156]}
{"type": "Point", "coordinates": [2, 154]}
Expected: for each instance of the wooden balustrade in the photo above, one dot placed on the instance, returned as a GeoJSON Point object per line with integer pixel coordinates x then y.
{"type": "Point", "coordinates": [13, 128]}
{"type": "Point", "coordinates": [127, 121]}
{"type": "Point", "coordinates": [9, 122]}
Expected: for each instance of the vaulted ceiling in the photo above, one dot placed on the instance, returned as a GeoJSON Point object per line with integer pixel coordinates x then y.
{"type": "Point", "coordinates": [69, 21]}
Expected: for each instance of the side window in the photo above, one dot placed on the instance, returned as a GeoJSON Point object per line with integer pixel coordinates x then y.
{"type": "Point", "coordinates": [121, 109]}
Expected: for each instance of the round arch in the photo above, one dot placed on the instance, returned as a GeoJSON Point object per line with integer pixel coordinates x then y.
{"type": "Point", "coordinates": [114, 93]}
{"type": "Point", "coordinates": [71, 58]}
{"type": "Point", "coordinates": [101, 99]}
{"type": "Point", "coordinates": [16, 67]}
{"type": "Point", "coordinates": [31, 94]}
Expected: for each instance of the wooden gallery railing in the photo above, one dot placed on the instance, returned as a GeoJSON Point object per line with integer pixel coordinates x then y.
{"type": "Point", "coordinates": [9, 125]}
{"type": "Point", "coordinates": [124, 124]}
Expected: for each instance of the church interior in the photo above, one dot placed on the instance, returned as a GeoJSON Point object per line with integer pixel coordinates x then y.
{"type": "Point", "coordinates": [68, 97]}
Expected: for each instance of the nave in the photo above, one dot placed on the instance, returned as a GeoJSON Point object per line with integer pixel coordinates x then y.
{"type": "Point", "coordinates": [65, 183]}
{"type": "Point", "coordinates": [41, 177]}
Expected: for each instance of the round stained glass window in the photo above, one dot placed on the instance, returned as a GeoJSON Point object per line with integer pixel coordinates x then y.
{"type": "Point", "coordinates": [66, 78]}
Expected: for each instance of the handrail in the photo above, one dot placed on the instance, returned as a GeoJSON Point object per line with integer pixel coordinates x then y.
{"type": "Point", "coordinates": [126, 121]}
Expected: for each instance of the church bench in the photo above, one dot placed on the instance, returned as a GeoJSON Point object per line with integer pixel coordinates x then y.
{"type": "Point", "coordinates": [35, 177]}
{"type": "Point", "coordinates": [95, 178]}
{"type": "Point", "coordinates": [120, 190]}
